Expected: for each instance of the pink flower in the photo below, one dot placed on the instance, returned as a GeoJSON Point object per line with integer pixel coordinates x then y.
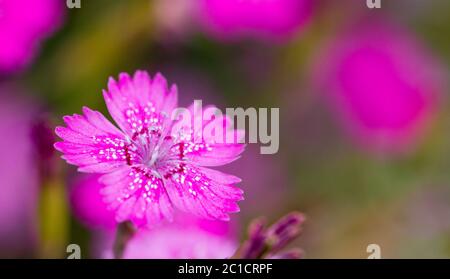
{"type": "Point", "coordinates": [23, 25]}
{"type": "Point", "coordinates": [88, 205]}
{"type": "Point", "coordinates": [186, 238]}
{"type": "Point", "coordinates": [382, 83]}
{"type": "Point", "coordinates": [262, 19]}
{"type": "Point", "coordinates": [173, 19]}
{"type": "Point", "coordinates": [152, 163]}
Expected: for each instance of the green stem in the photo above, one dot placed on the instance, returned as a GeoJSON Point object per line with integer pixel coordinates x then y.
{"type": "Point", "coordinates": [124, 233]}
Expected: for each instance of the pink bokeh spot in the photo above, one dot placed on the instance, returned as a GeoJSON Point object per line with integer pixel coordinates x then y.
{"type": "Point", "coordinates": [19, 179]}
{"type": "Point", "coordinates": [88, 205]}
{"type": "Point", "coordinates": [23, 26]}
{"type": "Point", "coordinates": [263, 19]}
{"type": "Point", "coordinates": [383, 84]}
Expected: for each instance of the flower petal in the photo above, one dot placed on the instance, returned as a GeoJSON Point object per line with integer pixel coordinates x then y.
{"type": "Point", "coordinates": [210, 142]}
{"type": "Point", "coordinates": [93, 144]}
{"type": "Point", "coordinates": [214, 155]}
{"type": "Point", "coordinates": [203, 192]}
{"type": "Point", "coordinates": [136, 195]}
{"type": "Point", "coordinates": [139, 103]}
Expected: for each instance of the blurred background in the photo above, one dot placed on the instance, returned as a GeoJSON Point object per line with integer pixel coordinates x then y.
{"type": "Point", "coordinates": [364, 119]}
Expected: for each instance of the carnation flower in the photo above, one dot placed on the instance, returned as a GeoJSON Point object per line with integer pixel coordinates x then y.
{"type": "Point", "coordinates": [23, 25]}
{"type": "Point", "coordinates": [186, 238]}
{"type": "Point", "coordinates": [152, 163]}
{"type": "Point", "coordinates": [261, 19]}
{"type": "Point", "coordinates": [383, 84]}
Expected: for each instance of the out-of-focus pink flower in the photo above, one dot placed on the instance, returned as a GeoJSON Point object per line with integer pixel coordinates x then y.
{"type": "Point", "coordinates": [382, 83]}
{"type": "Point", "coordinates": [23, 25]}
{"type": "Point", "coordinates": [152, 162]}
{"type": "Point", "coordinates": [88, 205]}
{"type": "Point", "coordinates": [18, 176]}
{"type": "Point", "coordinates": [261, 19]}
{"type": "Point", "coordinates": [188, 237]}
{"type": "Point", "coordinates": [174, 20]}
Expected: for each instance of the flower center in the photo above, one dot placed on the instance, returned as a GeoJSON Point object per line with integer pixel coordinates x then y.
{"type": "Point", "coordinates": [153, 157]}
{"type": "Point", "coordinates": [154, 149]}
